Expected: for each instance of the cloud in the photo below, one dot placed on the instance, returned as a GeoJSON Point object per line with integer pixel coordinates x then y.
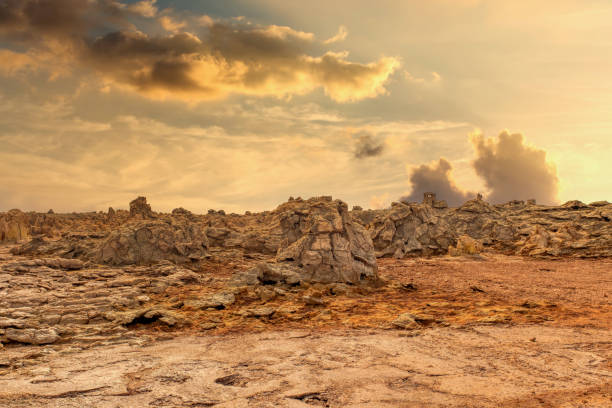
{"type": "Point", "coordinates": [41, 20]}
{"type": "Point", "coordinates": [145, 8]}
{"type": "Point", "coordinates": [367, 146]}
{"type": "Point", "coordinates": [170, 24]}
{"type": "Point", "coordinates": [509, 168]}
{"type": "Point", "coordinates": [197, 59]}
{"type": "Point", "coordinates": [340, 36]}
{"type": "Point", "coordinates": [15, 62]}
{"type": "Point", "coordinates": [435, 78]}
{"type": "Point", "coordinates": [436, 177]}
{"type": "Point", "coordinates": [513, 170]}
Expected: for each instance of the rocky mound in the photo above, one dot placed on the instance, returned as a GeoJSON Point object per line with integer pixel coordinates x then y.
{"type": "Point", "coordinates": [319, 243]}
{"type": "Point", "coordinates": [119, 238]}
{"type": "Point", "coordinates": [140, 209]}
{"type": "Point", "coordinates": [570, 230]}
{"type": "Point", "coordinates": [323, 241]}
{"type": "Point", "coordinates": [146, 242]}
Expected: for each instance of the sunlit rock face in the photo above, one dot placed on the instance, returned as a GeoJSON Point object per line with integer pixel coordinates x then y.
{"type": "Point", "coordinates": [14, 226]}
{"type": "Point", "coordinates": [323, 241]}
{"type": "Point", "coordinates": [516, 227]}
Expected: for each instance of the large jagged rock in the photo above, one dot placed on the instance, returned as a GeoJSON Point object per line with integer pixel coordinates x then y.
{"type": "Point", "coordinates": [14, 226]}
{"type": "Point", "coordinates": [147, 242]}
{"type": "Point", "coordinates": [411, 230]}
{"type": "Point", "coordinates": [320, 243]}
{"type": "Point", "coordinates": [324, 242]}
{"type": "Point", "coordinates": [140, 209]}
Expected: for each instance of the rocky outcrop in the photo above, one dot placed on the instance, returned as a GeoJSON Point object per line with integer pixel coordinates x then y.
{"type": "Point", "coordinates": [318, 242]}
{"type": "Point", "coordinates": [148, 242]}
{"type": "Point", "coordinates": [14, 226]}
{"type": "Point", "coordinates": [117, 238]}
{"type": "Point", "coordinates": [319, 236]}
{"type": "Point", "coordinates": [410, 230]}
{"type": "Point", "coordinates": [324, 242]}
{"type": "Point", "coordinates": [140, 209]}
{"type": "Point", "coordinates": [570, 230]}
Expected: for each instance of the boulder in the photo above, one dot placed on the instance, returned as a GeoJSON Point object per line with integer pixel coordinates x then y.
{"type": "Point", "coordinates": [32, 336]}
{"type": "Point", "coordinates": [406, 321]}
{"type": "Point", "coordinates": [466, 245]}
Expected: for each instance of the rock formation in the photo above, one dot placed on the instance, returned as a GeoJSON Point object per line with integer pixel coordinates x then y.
{"type": "Point", "coordinates": [140, 209]}
{"type": "Point", "coordinates": [324, 242]}
{"type": "Point", "coordinates": [569, 230]}
{"type": "Point", "coordinates": [318, 242]}
{"type": "Point", "coordinates": [319, 236]}
{"type": "Point", "coordinates": [14, 226]}
{"type": "Point", "coordinates": [147, 242]}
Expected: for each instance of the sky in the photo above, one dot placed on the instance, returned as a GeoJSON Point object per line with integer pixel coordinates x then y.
{"type": "Point", "coordinates": [238, 105]}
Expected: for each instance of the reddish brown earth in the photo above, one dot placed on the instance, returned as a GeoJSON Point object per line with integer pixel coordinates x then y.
{"type": "Point", "coordinates": [493, 331]}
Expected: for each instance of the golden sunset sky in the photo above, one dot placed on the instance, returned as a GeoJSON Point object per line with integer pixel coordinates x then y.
{"type": "Point", "coordinates": [237, 104]}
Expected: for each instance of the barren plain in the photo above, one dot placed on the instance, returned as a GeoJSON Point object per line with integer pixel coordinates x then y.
{"type": "Point", "coordinates": [309, 305]}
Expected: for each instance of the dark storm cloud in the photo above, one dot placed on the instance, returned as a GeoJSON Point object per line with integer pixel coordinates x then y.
{"type": "Point", "coordinates": [513, 170]}
{"type": "Point", "coordinates": [31, 20]}
{"type": "Point", "coordinates": [223, 57]}
{"type": "Point", "coordinates": [367, 146]}
{"type": "Point", "coordinates": [436, 178]}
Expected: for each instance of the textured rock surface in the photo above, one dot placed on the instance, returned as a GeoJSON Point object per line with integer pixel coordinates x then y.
{"type": "Point", "coordinates": [148, 242]}
{"type": "Point", "coordinates": [46, 300]}
{"type": "Point", "coordinates": [32, 336]}
{"type": "Point", "coordinates": [80, 334]}
{"type": "Point", "coordinates": [570, 230]}
{"type": "Point", "coordinates": [303, 230]}
{"type": "Point", "coordinates": [139, 208]}
{"type": "Point", "coordinates": [485, 367]}
{"type": "Point", "coordinates": [14, 226]}
{"type": "Point", "coordinates": [321, 239]}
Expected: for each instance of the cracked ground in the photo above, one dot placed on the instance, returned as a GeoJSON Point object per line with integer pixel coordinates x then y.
{"type": "Point", "coordinates": [490, 332]}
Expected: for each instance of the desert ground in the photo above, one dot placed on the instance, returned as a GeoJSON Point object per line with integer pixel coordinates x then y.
{"type": "Point", "coordinates": [98, 313]}
{"type": "Point", "coordinates": [491, 332]}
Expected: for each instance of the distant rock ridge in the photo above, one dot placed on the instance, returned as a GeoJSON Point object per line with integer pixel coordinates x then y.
{"type": "Point", "coordinates": [319, 235]}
